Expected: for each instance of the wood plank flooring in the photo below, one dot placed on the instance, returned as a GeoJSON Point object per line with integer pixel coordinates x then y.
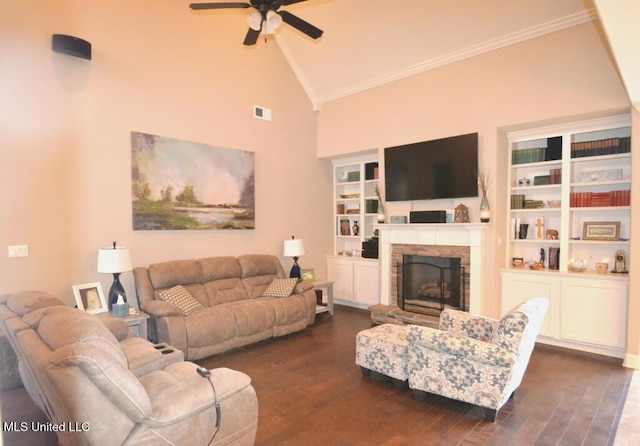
{"type": "Point", "coordinates": [311, 392]}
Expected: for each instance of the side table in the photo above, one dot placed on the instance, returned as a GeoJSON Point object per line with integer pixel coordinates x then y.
{"type": "Point", "coordinates": [137, 322]}
{"type": "Point", "coordinates": [328, 286]}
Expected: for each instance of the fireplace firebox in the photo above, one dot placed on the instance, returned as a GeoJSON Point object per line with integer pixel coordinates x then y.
{"type": "Point", "coordinates": [430, 284]}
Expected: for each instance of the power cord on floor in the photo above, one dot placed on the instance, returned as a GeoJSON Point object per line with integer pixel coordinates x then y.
{"type": "Point", "coordinates": [202, 371]}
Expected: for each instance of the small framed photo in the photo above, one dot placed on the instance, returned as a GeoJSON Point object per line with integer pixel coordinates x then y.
{"type": "Point", "coordinates": [345, 227]}
{"type": "Point", "coordinates": [601, 230]}
{"type": "Point", "coordinates": [90, 298]}
{"type": "Point", "coordinates": [517, 262]}
{"type": "Point", "coordinates": [308, 274]}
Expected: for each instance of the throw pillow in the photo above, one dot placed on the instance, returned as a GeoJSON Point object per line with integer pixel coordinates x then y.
{"type": "Point", "coordinates": [181, 298]}
{"type": "Point", "coordinates": [281, 287]}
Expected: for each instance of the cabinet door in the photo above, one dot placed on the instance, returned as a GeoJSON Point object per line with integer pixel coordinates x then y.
{"type": "Point", "coordinates": [366, 283]}
{"type": "Point", "coordinates": [594, 311]}
{"type": "Point", "coordinates": [516, 288]}
{"type": "Point", "coordinates": [341, 272]}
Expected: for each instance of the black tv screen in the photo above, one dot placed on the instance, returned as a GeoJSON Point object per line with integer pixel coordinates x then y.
{"type": "Point", "coordinates": [429, 170]}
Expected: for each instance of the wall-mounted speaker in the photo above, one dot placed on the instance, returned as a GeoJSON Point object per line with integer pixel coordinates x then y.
{"type": "Point", "coordinates": [73, 46]}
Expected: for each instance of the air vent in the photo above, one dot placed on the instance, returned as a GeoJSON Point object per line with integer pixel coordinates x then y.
{"type": "Point", "coordinates": [262, 113]}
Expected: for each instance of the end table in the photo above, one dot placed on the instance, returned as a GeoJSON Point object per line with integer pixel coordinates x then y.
{"type": "Point", "coordinates": [328, 286]}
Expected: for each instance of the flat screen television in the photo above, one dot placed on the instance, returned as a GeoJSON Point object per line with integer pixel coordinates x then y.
{"type": "Point", "coordinates": [430, 170]}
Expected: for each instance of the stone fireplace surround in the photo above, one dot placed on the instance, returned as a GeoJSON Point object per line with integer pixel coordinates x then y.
{"type": "Point", "coordinates": [464, 240]}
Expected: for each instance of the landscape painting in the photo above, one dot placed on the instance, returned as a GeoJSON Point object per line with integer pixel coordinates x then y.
{"type": "Point", "coordinates": [186, 185]}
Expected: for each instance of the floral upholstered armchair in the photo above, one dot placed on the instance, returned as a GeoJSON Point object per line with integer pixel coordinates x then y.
{"type": "Point", "coordinates": [474, 359]}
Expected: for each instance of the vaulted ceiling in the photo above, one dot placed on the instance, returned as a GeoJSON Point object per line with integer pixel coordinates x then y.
{"type": "Point", "coordinates": [371, 42]}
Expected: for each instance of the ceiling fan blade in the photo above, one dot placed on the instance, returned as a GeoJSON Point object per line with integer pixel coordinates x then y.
{"type": "Point", "coordinates": [224, 5]}
{"type": "Point", "coordinates": [290, 2]}
{"type": "Point", "coordinates": [252, 37]}
{"type": "Point", "coordinates": [301, 25]}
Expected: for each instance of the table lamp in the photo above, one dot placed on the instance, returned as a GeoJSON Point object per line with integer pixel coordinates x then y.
{"type": "Point", "coordinates": [294, 248]}
{"type": "Point", "coordinates": [114, 261]}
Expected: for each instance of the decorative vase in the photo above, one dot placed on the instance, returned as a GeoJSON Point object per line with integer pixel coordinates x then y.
{"type": "Point", "coordinates": [356, 228]}
{"type": "Point", "coordinates": [485, 210]}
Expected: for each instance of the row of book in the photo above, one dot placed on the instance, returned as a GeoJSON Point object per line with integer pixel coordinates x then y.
{"type": "Point", "coordinates": [554, 177]}
{"type": "Point", "coordinates": [518, 201]}
{"type": "Point", "coordinates": [609, 146]}
{"type": "Point", "coordinates": [600, 199]}
{"type": "Point", "coordinates": [532, 155]}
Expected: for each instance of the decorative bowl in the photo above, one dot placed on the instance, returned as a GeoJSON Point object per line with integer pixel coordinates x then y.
{"type": "Point", "coordinates": [577, 266]}
{"type": "Point", "coordinates": [553, 203]}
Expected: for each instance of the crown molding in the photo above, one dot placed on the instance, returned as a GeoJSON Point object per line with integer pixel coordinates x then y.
{"type": "Point", "coordinates": [510, 39]}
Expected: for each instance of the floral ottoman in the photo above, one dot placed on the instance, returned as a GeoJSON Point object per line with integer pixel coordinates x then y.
{"type": "Point", "coordinates": [383, 349]}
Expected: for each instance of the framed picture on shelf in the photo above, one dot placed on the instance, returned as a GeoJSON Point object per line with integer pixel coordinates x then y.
{"type": "Point", "coordinates": [345, 227]}
{"type": "Point", "coordinates": [308, 274]}
{"type": "Point", "coordinates": [90, 298]}
{"type": "Point", "coordinates": [601, 230]}
{"type": "Point", "coordinates": [517, 262]}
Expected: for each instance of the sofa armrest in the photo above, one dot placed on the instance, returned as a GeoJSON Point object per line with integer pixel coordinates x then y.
{"type": "Point", "coordinates": [302, 286]}
{"type": "Point", "coordinates": [160, 308]}
{"type": "Point", "coordinates": [465, 324]}
{"type": "Point", "coordinates": [460, 346]}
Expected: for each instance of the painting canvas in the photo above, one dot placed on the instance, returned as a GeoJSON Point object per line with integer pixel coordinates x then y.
{"type": "Point", "coordinates": [186, 185]}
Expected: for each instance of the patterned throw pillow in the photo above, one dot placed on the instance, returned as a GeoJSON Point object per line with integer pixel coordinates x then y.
{"type": "Point", "coordinates": [181, 298]}
{"type": "Point", "coordinates": [281, 287]}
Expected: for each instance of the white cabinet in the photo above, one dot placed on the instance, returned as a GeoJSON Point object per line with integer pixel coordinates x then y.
{"type": "Point", "coordinates": [586, 311]}
{"type": "Point", "coordinates": [518, 287]}
{"type": "Point", "coordinates": [596, 311]}
{"type": "Point", "coordinates": [356, 280]}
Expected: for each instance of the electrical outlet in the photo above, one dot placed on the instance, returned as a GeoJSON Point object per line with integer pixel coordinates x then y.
{"type": "Point", "coordinates": [19, 251]}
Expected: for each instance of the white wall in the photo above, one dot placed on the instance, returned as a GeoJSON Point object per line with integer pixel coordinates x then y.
{"type": "Point", "coordinates": [566, 73]}
{"type": "Point", "coordinates": [157, 68]}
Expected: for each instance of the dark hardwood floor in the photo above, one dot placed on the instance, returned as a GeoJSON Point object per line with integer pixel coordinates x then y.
{"type": "Point", "coordinates": [311, 392]}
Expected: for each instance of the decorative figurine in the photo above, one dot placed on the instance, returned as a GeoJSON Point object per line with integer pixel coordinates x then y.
{"type": "Point", "coordinates": [461, 214]}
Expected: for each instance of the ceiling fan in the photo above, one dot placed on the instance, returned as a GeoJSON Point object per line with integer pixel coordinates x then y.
{"type": "Point", "coordinates": [266, 19]}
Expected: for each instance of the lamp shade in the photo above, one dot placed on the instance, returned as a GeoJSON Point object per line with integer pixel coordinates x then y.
{"type": "Point", "coordinates": [114, 260]}
{"type": "Point", "coordinates": [293, 248]}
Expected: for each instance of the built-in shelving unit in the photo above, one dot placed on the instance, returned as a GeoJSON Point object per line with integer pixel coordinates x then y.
{"type": "Point", "coordinates": [570, 184]}
{"type": "Point", "coordinates": [355, 201]}
{"type": "Point", "coordinates": [355, 212]}
{"type": "Point", "coordinates": [576, 179]}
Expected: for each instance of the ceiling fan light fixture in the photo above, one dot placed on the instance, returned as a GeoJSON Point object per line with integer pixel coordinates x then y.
{"type": "Point", "coordinates": [254, 21]}
{"type": "Point", "coordinates": [272, 23]}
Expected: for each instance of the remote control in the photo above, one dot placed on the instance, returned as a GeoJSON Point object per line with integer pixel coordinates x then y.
{"type": "Point", "coordinates": [202, 371]}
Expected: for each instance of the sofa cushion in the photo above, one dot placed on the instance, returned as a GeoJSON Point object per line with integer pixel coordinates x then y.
{"type": "Point", "coordinates": [176, 272]}
{"type": "Point", "coordinates": [281, 287]}
{"type": "Point", "coordinates": [24, 302]}
{"type": "Point", "coordinates": [62, 326]}
{"type": "Point", "coordinates": [182, 299]}
{"type": "Point", "coordinates": [258, 271]}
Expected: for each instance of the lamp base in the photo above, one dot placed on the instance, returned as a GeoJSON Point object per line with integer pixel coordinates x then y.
{"type": "Point", "coordinates": [295, 269]}
{"type": "Point", "coordinates": [116, 290]}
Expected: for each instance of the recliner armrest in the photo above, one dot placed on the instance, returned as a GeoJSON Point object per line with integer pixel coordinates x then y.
{"type": "Point", "coordinates": [460, 346]}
